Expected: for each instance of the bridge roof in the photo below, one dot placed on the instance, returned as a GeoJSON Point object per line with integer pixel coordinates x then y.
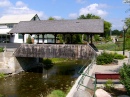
{"type": "Point", "coordinates": [60, 26]}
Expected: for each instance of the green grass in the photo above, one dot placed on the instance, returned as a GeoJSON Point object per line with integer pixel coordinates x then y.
{"type": "Point", "coordinates": [110, 46]}
{"type": "Point", "coordinates": [57, 93]}
{"type": "Point", "coordinates": [2, 75]}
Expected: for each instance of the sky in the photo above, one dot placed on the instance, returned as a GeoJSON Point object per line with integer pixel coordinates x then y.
{"type": "Point", "coordinates": [113, 11]}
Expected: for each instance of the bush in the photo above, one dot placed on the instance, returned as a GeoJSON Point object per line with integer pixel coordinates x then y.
{"type": "Point", "coordinates": [118, 56]}
{"type": "Point", "coordinates": [57, 93]}
{"type": "Point", "coordinates": [1, 49]}
{"type": "Point", "coordinates": [125, 77]}
{"type": "Point", "coordinates": [104, 58]}
{"type": "Point", "coordinates": [29, 40]}
{"type": "Point", "coordinates": [107, 58]}
{"type": "Point", "coordinates": [1, 95]}
{"type": "Point", "coordinates": [47, 61]}
{"type": "Point", "coordinates": [109, 85]}
{"type": "Point", "coordinates": [2, 75]}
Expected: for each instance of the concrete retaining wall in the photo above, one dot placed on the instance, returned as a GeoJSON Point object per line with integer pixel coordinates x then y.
{"type": "Point", "coordinates": [11, 64]}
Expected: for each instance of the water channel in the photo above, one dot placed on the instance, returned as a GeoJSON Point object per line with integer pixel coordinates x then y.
{"type": "Point", "coordinates": [33, 84]}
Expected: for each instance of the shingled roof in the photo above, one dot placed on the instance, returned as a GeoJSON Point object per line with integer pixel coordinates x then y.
{"type": "Point", "coordinates": [60, 26]}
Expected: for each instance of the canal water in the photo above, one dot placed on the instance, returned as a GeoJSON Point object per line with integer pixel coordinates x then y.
{"type": "Point", "coordinates": [34, 84]}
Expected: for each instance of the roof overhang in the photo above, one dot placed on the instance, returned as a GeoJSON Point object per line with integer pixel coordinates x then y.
{"type": "Point", "coordinates": [84, 26]}
{"type": "Point", "coordinates": [4, 31]}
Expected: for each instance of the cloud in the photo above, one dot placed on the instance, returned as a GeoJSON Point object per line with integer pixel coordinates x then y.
{"type": "Point", "coordinates": [96, 9]}
{"type": "Point", "coordinates": [73, 15]}
{"type": "Point", "coordinates": [80, 1]}
{"type": "Point", "coordinates": [20, 4]}
{"type": "Point", "coordinates": [57, 17]}
{"type": "Point", "coordinates": [19, 8]}
{"type": "Point", "coordinates": [126, 1]}
{"type": "Point", "coordinates": [5, 3]}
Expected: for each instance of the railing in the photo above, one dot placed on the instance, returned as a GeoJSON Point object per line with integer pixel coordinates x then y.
{"type": "Point", "coordinates": [86, 74]}
{"type": "Point", "coordinates": [55, 51]}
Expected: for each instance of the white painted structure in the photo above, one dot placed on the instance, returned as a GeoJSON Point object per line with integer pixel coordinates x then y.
{"type": "Point", "coordinates": [9, 21]}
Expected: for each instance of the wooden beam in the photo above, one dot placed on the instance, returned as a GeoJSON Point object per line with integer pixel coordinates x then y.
{"type": "Point", "coordinates": [23, 36]}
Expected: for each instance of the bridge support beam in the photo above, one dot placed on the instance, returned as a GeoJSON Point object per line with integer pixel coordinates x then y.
{"type": "Point", "coordinates": [91, 37]}
{"type": "Point", "coordinates": [23, 37]}
{"type": "Point", "coordinates": [55, 38]}
{"type": "Point", "coordinates": [43, 38]}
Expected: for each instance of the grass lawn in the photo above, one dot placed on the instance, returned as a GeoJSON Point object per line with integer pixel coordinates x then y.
{"type": "Point", "coordinates": [109, 46]}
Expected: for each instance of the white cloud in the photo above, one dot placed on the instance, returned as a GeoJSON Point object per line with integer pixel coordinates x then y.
{"type": "Point", "coordinates": [95, 9]}
{"type": "Point", "coordinates": [20, 4]}
{"type": "Point", "coordinates": [126, 1]}
{"type": "Point", "coordinates": [80, 1]}
{"type": "Point", "coordinates": [73, 15]}
{"type": "Point", "coordinates": [19, 8]}
{"type": "Point", "coordinates": [5, 3]}
{"type": "Point", "coordinates": [57, 17]}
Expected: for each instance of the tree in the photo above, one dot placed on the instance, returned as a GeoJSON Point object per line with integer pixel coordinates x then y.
{"type": "Point", "coordinates": [89, 16]}
{"type": "Point", "coordinates": [116, 32]}
{"type": "Point", "coordinates": [107, 28]}
{"type": "Point", "coordinates": [51, 18]}
{"type": "Point", "coordinates": [29, 40]}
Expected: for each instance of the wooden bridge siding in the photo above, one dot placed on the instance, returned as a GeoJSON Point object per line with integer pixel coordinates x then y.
{"type": "Point", "coordinates": [55, 51]}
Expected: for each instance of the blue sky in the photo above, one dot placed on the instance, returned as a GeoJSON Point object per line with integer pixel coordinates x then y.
{"type": "Point", "coordinates": [113, 11]}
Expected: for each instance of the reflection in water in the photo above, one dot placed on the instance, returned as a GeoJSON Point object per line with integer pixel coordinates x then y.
{"type": "Point", "coordinates": [32, 84]}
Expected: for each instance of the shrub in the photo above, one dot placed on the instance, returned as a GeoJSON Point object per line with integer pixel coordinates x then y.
{"type": "Point", "coordinates": [1, 95]}
{"type": "Point", "coordinates": [1, 49]}
{"type": "Point", "coordinates": [109, 85]}
{"type": "Point", "coordinates": [104, 58]}
{"type": "Point", "coordinates": [118, 56]}
{"type": "Point", "coordinates": [125, 77]}
{"type": "Point", "coordinates": [57, 93]}
{"type": "Point", "coordinates": [2, 75]}
{"type": "Point", "coordinates": [47, 61]}
{"type": "Point", "coordinates": [29, 40]}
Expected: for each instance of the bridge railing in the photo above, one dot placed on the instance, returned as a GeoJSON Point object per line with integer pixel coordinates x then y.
{"type": "Point", "coordinates": [77, 51]}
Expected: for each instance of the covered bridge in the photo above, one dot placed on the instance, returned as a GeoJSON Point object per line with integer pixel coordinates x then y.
{"type": "Point", "coordinates": [85, 26]}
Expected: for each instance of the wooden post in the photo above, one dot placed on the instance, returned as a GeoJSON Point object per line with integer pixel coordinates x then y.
{"type": "Point", "coordinates": [43, 37]}
{"type": "Point", "coordinates": [38, 38]}
{"type": "Point", "coordinates": [87, 37]}
{"type": "Point", "coordinates": [91, 38]}
{"type": "Point", "coordinates": [55, 38]}
{"type": "Point", "coordinates": [71, 37]}
{"type": "Point", "coordinates": [23, 36]}
{"type": "Point", "coordinates": [64, 38]}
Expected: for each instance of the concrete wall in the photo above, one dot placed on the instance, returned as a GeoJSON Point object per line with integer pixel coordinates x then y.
{"type": "Point", "coordinates": [11, 64]}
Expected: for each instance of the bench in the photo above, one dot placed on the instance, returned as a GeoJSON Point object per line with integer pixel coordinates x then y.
{"type": "Point", "coordinates": [106, 76]}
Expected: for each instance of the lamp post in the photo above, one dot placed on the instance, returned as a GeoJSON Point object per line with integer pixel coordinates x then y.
{"type": "Point", "coordinates": [124, 31]}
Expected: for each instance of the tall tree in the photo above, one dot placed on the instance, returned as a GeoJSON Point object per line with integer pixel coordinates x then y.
{"type": "Point", "coordinates": [89, 16]}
